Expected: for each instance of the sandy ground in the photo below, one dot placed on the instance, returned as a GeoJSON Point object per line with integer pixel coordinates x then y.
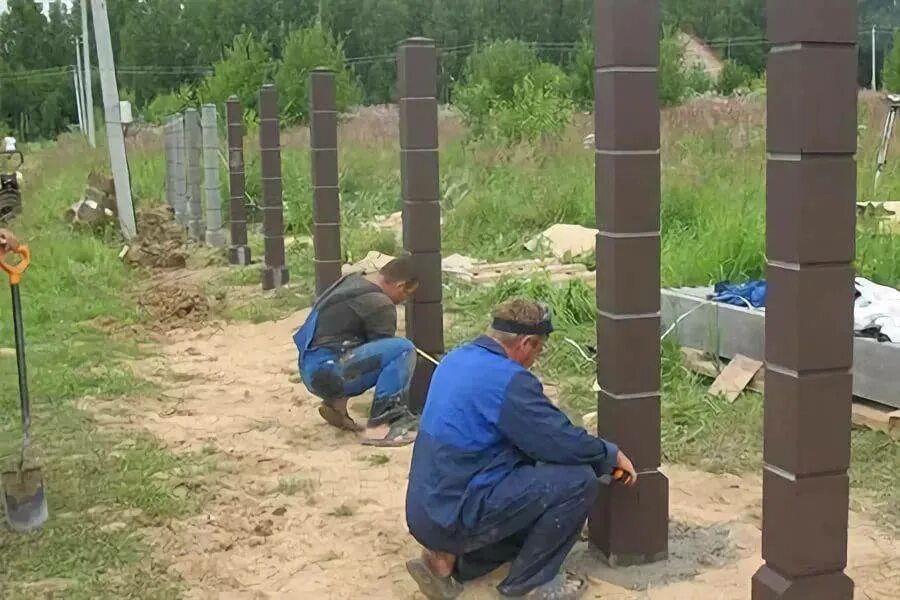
{"type": "Point", "coordinates": [300, 510]}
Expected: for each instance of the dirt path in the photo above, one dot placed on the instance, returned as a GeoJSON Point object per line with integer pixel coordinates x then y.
{"type": "Point", "coordinates": [302, 511]}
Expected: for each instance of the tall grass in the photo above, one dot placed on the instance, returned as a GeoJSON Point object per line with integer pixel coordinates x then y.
{"type": "Point", "coordinates": [713, 189]}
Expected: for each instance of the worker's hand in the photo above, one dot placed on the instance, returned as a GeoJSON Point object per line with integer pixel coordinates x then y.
{"type": "Point", "coordinates": [8, 241]}
{"type": "Point", "coordinates": [624, 463]}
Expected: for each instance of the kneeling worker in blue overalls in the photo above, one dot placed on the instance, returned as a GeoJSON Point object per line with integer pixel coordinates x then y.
{"type": "Point", "coordinates": [499, 474]}
{"type": "Point", "coordinates": [348, 345]}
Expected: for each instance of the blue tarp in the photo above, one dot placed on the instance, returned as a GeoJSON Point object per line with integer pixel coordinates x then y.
{"type": "Point", "coordinates": [749, 294]}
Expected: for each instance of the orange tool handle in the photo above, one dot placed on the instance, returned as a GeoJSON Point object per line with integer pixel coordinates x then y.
{"type": "Point", "coordinates": [15, 271]}
{"type": "Point", "coordinates": [620, 475]}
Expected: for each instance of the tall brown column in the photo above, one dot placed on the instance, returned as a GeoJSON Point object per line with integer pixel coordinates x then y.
{"type": "Point", "coordinates": [239, 252]}
{"type": "Point", "coordinates": [274, 274]}
{"type": "Point", "coordinates": [419, 170]}
{"type": "Point", "coordinates": [629, 526]}
{"type": "Point", "coordinates": [810, 214]}
{"type": "Point", "coordinates": [326, 194]}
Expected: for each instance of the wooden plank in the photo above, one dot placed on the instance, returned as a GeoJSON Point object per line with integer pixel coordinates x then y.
{"type": "Point", "coordinates": [735, 377]}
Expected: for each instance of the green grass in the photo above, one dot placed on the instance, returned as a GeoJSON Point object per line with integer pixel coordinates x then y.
{"type": "Point", "coordinates": [102, 484]}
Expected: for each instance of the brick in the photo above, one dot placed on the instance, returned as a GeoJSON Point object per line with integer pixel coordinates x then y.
{"type": "Point", "coordinates": [805, 523]}
{"type": "Point", "coordinates": [769, 584]}
{"type": "Point", "coordinates": [418, 124]}
{"type": "Point", "coordinates": [327, 272]}
{"type": "Point", "coordinates": [274, 251]}
{"type": "Point", "coordinates": [270, 163]}
{"type": "Point", "coordinates": [809, 317]}
{"type": "Point", "coordinates": [634, 425]}
{"type": "Point", "coordinates": [812, 100]}
{"type": "Point", "coordinates": [821, 21]}
{"type": "Point", "coordinates": [626, 33]}
{"type": "Point", "coordinates": [327, 241]}
{"type": "Point", "coordinates": [421, 381]}
{"type": "Point", "coordinates": [417, 69]}
{"type": "Point", "coordinates": [807, 421]}
{"type": "Point", "coordinates": [631, 525]}
{"type": "Point", "coordinates": [811, 210]}
{"type": "Point", "coordinates": [428, 266]}
{"type": "Point", "coordinates": [326, 205]}
{"type": "Point", "coordinates": [627, 193]}
{"type": "Point", "coordinates": [425, 326]}
{"type": "Point", "coordinates": [422, 226]}
{"type": "Point", "coordinates": [628, 355]}
{"type": "Point", "coordinates": [324, 168]}
{"type": "Point", "coordinates": [420, 175]}
{"type": "Point", "coordinates": [323, 130]}
{"type": "Point", "coordinates": [627, 111]}
{"type": "Point", "coordinates": [628, 274]}
{"type": "Point", "coordinates": [323, 92]}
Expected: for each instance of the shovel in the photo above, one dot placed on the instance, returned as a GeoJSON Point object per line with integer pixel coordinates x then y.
{"type": "Point", "coordinates": [23, 489]}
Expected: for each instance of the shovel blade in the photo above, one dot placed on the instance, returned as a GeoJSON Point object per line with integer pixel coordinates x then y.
{"type": "Point", "coordinates": [23, 497]}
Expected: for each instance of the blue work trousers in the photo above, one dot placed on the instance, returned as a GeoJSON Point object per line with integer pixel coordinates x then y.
{"type": "Point", "coordinates": [531, 518]}
{"type": "Point", "coordinates": [387, 365]}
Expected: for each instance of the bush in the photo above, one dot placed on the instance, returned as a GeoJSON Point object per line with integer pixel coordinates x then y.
{"type": "Point", "coordinates": [534, 111]}
{"type": "Point", "coordinates": [243, 69]}
{"type": "Point", "coordinates": [891, 69]}
{"type": "Point", "coordinates": [165, 105]}
{"type": "Point", "coordinates": [673, 79]}
{"type": "Point", "coordinates": [305, 50]}
{"type": "Point", "coordinates": [733, 77]}
{"type": "Point", "coordinates": [501, 66]}
{"type": "Point", "coordinates": [582, 77]}
{"type": "Point", "coordinates": [698, 80]}
{"type": "Point", "coordinates": [512, 96]}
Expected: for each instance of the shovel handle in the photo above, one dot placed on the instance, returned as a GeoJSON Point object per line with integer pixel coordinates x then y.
{"type": "Point", "coordinates": [15, 271]}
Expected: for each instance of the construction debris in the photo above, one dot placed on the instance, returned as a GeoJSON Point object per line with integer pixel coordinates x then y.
{"type": "Point", "coordinates": [735, 377]}
{"type": "Point", "coordinates": [468, 270]}
{"type": "Point", "coordinates": [885, 215]}
{"type": "Point", "coordinates": [370, 264]}
{"type": "Point", "coordinates": [97, 206]}
{"type": "Point", "coordinates": [174, 306]}
{"type": "Point", "coordinates": [877, 418]}
{"type": "Point", "coordinates": [161, 242]}
{"type": "Point", "coordinates": [564, 241]}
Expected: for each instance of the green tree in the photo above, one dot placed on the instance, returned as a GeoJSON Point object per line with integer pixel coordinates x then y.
{"type": "Point", "coordinates": [510, 94]}
{"type": "Point", "coordinates": [305, 50]}
{"type": "Point", "coordinates": [37, 99]}
{"type": "Point", "coordinates": [245, 67]}
{"type": "Point", "coordinates": [891, 74]}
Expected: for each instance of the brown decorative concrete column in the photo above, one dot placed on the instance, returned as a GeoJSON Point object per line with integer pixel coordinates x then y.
{"type": "Point", "coordinates": [419, 171]}
{"type": "Point", "coordinates": [326, 194]}
{"type": "Point", "coordinates": [629, 526]}
{"type": "Point", "coordinates": [274, 274]}
{"type": "Point", "coordinates": [239, 251]}
{"type": "Point", "coordinates": [810, 214]}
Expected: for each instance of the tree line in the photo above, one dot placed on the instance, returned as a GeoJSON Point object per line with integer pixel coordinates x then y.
{"type": "Point", "coordinates": [166, 45]}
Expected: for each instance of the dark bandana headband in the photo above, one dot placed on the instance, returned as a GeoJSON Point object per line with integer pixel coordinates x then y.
{"type": "Point", "coordinates": [544, 327]}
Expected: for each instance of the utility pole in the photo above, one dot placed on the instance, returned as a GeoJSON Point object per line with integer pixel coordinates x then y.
{"type": "Point", "coordinates": [874, 69]}
{"type": "Point", "coordinates": [79, 91]}
{"type": "Point", "coordinates": [114, 134]}
{"type": "Point", "coordinates": [87, 84]}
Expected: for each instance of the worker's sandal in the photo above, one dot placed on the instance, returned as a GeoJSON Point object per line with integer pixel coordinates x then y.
{"type": "Point", "coordinates": [565, 586]}
{"type": "Point", "coordinates": [433, 586]}
{"type": "Point", "coordinates": [338, 419]}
